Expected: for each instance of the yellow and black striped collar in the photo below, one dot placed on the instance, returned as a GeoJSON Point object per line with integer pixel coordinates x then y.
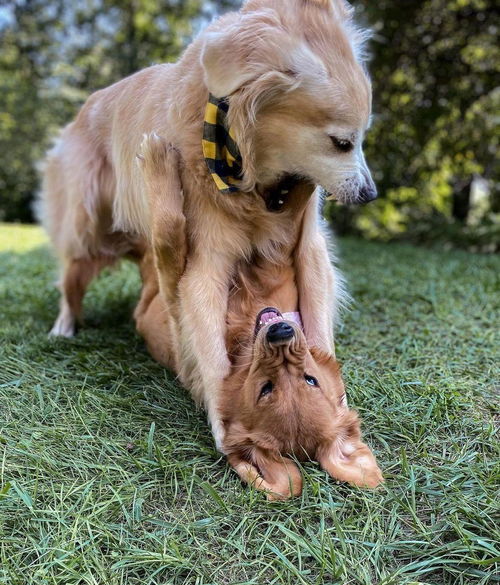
{"type": "Point", "coordinates": [220, 150]}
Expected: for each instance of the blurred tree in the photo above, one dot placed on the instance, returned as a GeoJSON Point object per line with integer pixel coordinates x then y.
{"type": "Point", "coordinates": [26, 53]}
{"type": "Point", "coordinates": [435, 68]}
{"type": "Point", "coordinates": [53, 53]}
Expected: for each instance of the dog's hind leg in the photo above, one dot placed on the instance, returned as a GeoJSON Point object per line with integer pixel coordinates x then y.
{"type": "Point", "coordinates": [75, 211]}
{"type": "Point", "coordinates": [77, 275]}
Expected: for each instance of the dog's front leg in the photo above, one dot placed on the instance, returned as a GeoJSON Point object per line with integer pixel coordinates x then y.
{"type": "Point", "coordinates": [203, 295]}
{"type": "Point", "coordinates": [194, 284]}
{"type": "Point", "coordinates": [317, 281]}
{"type": "Point", "coordinates": [160, 162]}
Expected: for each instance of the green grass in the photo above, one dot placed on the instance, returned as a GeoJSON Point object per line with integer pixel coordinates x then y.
{"type": "Point", "coordinates": [108, 474]}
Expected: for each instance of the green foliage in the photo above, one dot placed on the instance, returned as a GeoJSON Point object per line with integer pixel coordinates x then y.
{"type": "Point", "coordinates": [109, 475]}
{"type": "Point", "coordinates": [26, 113]}
{"type": "Point", "coordinates": [54, 53]}
{"type": "Point", "coordinates": [435, 68]}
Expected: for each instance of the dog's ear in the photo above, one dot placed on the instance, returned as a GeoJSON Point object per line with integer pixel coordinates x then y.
{"type": "Point", "coordinates": [256, 459]}
{"type": "Point", "coordinates": [321, 3]}
{"type": "Point", "coordinates": [268, 471]}
{"type": "Point", "coordinates": [225, 70]}
{"type": "Point", "coordinates": [348, 459]}
{"type": "Point", "coordinates": [251, 47]}
{"type": "Point", "coordinates": [343, 9]}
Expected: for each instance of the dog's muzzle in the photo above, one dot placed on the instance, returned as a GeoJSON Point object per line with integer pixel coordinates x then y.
{"type": "Point", "coordinates": [368, 191]}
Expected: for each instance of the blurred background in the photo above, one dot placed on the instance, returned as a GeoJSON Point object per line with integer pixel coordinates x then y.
{"type": "Point", "coordinates": [433, 143]}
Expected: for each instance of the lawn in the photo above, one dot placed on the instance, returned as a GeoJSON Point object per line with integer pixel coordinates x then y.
{"type": "Point", "coordinates": [108, 473]}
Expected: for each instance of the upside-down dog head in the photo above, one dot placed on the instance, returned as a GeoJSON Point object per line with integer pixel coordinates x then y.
{"type": "Point", "coordinates": [299, 96]}
{"type": "Point", "coordinates": [290, 400]}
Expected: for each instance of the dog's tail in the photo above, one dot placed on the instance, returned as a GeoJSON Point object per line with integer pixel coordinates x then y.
{"type": "Point", "coordinates": [67, 204]}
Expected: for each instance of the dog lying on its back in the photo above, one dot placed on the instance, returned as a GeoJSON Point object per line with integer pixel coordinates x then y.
{"type": "Point", "coordinates": [281, 397]}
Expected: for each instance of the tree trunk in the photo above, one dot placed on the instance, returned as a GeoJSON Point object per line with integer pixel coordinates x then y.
{"type": "Point", "coordinates": [461, 200]}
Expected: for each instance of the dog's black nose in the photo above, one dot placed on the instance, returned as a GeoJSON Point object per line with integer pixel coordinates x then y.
{"type": "Point", "coordinates": [279, 332]}
{"type": "Point", "coordinates": [367, 193]}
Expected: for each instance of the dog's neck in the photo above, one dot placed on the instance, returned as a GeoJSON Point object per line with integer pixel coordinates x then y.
{"type": "Point", "coordinates": [223, 159]}
{"type": "Point", "coordinates": [257, 284]}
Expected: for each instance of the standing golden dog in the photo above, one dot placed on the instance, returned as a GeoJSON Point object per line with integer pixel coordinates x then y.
{"type": "Point", "coordinates": [297, 100]}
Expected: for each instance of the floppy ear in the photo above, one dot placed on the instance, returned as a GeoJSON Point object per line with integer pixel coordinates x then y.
{"type": "Point", "coordinates": [252, 46]}
{"type": "Point", "coordinates": [270, 472]}
{"type": "Point", "coordinates": [348, 459]}
{"type": "Point", "coordinates": [225, 69]}
{"type": "Point", "coordinates": [256, 459]}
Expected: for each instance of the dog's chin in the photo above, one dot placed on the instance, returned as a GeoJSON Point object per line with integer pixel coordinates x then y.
{"type": "Point", "coordinates": [346, 198]}
{"type": "Point", "coordinates": [351, 193]}
{"type": "Point", "coordinates": [346, 193]}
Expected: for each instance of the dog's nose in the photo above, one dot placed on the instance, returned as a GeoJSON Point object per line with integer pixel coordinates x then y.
{"type": "Point", "coordinates": [279, 332]}
{"type": "Point", "coordinates": [367, 193]}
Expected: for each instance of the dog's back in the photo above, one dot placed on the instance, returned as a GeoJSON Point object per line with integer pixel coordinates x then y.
{"type": "Point", "coordinates": [79, 204]}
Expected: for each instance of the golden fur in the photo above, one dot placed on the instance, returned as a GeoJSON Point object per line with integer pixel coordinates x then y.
{"type": "Point", "coordinates": [294, 418]}
{"type": "Point", "coordinates": [292, 73]}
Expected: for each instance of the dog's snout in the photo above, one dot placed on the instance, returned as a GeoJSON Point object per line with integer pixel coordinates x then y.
{"type": "Point", "coordinates": [278, 332]}
{"type": "Point", "coordinates": [368, 190]}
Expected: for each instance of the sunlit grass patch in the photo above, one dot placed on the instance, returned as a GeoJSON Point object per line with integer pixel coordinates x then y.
{"type": "Point", "coordinates": [20, 238]}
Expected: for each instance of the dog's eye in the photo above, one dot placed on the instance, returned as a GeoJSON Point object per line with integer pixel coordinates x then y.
{"type": "Point", "coordinates": [311, 380]}
{"type": "Point", "coordinates": [266, 389]}
{"type": "Point", "coordinates": [342, 144]}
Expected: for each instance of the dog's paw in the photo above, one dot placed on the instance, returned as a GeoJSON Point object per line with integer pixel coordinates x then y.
{"type": "Point", "coordinates": [218, 433]}
{"type": "Point", "coordinates": [63, 327]}
{"type": "Point", "coordinates": [153, 152]}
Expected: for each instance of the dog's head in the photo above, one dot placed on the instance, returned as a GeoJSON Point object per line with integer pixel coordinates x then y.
{"type": "Point", "coordinates": [299, 96]}
{"type": "Point", "coordinates": [289, 399]}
